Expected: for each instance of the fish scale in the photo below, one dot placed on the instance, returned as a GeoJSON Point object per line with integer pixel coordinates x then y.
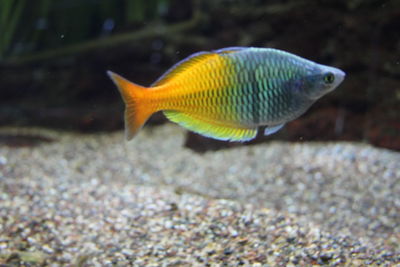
{"type": "Point", "coordinates": [228, 93]}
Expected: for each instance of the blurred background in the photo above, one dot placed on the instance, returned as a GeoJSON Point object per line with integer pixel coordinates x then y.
{"type": "Point", "coordinates": [54, 56]}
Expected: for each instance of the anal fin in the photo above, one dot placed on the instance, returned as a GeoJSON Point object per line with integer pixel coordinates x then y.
{"type": "Point", "coordinates": [211, 129]}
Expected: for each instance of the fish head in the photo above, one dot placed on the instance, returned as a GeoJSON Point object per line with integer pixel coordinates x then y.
{"type": "Point", "coordinates": [321, 80]}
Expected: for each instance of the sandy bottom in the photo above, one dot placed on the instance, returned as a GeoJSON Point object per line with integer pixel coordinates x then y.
{"type": "Point", "coordinates": [95, 200]}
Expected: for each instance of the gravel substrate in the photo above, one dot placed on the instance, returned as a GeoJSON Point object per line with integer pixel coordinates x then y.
{"type": "Point", "coordinates": [94, 200]}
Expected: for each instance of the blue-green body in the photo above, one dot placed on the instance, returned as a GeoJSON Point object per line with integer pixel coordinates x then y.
{"type": "Point", "coordinates": [271, 87]}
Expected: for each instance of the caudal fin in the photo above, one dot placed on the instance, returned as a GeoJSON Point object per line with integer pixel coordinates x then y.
{"type": "Point", "coordinates": [136, 114]}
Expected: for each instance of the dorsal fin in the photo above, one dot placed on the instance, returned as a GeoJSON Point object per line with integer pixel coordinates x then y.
{"type": "Point", "coordinates": [193, 59]}
{"type": "Point", "coordinates": [228, 50]}
{"type": "Point", "coordinates": [182, 65]}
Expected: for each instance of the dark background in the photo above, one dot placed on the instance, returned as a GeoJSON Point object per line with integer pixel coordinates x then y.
{"type": "Point", "coordinates": [54, 55]}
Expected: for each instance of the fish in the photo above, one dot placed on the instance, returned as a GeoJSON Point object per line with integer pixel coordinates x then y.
{"type": "Point", "coordinates": [229, 93]}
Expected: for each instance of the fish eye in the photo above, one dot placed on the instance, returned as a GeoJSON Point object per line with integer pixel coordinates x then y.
{"type": "Point", "coordinates": [329, 78]}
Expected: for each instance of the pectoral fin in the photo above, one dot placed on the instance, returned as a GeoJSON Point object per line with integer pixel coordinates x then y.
{"type": "Point", "coordinates": [273, 129]}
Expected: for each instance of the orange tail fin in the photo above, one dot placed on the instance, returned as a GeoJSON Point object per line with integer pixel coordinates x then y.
{"type": "Point", "coordinates": [136, 114]}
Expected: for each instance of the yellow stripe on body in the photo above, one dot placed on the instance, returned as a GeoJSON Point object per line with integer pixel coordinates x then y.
{"type": "Point", "coordinates": [198, 90]}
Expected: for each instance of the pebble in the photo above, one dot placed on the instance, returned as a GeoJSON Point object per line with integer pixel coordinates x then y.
{"type": "Point", "coordinates": [3, 160]}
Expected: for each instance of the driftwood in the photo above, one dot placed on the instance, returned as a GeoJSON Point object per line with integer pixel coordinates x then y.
{"type": "Point", "coordinates": [149, 32]}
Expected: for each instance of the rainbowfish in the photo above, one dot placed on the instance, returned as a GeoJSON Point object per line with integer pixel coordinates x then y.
{"type": "Point", "coordinates": [227, 94]}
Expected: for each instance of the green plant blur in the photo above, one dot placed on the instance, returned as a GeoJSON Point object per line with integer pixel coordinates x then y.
{"type": "Point", "coordinates": [31, 26]}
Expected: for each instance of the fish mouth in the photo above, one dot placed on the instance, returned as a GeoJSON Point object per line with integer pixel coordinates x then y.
{"type": "Point", "coordinates": [340, 75]}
